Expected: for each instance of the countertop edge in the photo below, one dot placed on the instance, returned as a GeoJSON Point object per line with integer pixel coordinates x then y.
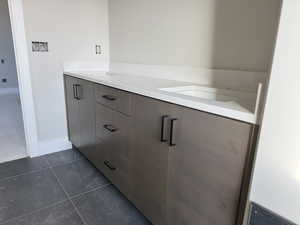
{"type": "Point", "coordinates": [250, 118]}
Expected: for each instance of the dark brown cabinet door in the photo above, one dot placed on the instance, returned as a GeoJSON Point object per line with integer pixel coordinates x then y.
{"type": "Point", "coordinates": [87, 121]}
{"type": "Point", "coordinates": [80, 103]}
{"type": "Point", "coordinates": [149, 161]}
{"type": "Point", "coordinates": [206, 168]}
{"type": "Point", "coordinates": [72, 105]}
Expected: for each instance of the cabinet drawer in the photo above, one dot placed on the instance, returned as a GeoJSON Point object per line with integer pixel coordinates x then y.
{"type": "Point", "coordinates": [114, 99]}
{"type": "Point", "coordinates": [102, 155]}
{"type": "Point", "coordinates": [113, 147]}
{"type": "Point", "coordinates": [121, 154]}
{"type": "Point", "coordinates": [104, 121]}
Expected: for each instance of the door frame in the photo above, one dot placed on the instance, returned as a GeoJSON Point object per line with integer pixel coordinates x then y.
{"type": "Point", "coordinates": [24, 75]}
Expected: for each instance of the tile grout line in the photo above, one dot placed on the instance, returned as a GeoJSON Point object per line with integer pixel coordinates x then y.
{"type": "Point", "coordinates": [34, 211]}
{"type": "Point", "coordinates": [22, 174]}
{"type": "Point", "coordinates": [62, 164]}
{"type": "Point", "coordinates": [47, 161]}
{"type": "Point", "coordinates": [48, 167]}
{"type": "Point", "coordinates": [95, 189]}
{"type": "Point", "coordinates": [41, 169]}
{"type": "Point", "coordinates": [68, 197]}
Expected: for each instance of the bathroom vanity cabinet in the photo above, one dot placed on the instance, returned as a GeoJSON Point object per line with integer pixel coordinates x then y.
{"type": "Point", "coordinates": [177, 165]}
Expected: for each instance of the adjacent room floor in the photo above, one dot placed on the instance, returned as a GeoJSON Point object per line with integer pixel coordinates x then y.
{"type": "Point", "coordinates": [12, 136]}
{"type": "Point", "coordinates": [61, 189]}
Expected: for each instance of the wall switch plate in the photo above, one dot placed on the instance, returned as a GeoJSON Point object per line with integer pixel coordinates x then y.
{"type": "Point", "coordinates": [35, 46]}
{"type": "Point", "coordinates": [98, 50]}
{"type": "Point", "coordinates": [43, 46]}
{"type": "Point", "coordinates": [38, 46]}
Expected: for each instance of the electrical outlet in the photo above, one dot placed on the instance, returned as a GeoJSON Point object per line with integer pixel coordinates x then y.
{"type": "Point", "coordinates": [3, 80]}
{"type": "Point", "coordinates": [98, 50]}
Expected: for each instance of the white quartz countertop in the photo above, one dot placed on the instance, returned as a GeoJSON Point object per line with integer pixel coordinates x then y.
{"type": "Point", "coordinates": [152, 87]}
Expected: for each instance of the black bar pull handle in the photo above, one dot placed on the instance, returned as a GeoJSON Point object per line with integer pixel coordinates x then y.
{"type": "Point", "coordinates": [77, 91]}
{"type": "Point", "coordinates": [109, 166]}
{"type": "Point", "coordinates": [74, 91]}
{"type": "Point", "coordinates": [163, 134]}
{"type": "Point", "coordinates": [109, 97]}
{"type": "Point", "coordinates": [172, 132]}
{"type": "Point", "coordinates": [110, 128]}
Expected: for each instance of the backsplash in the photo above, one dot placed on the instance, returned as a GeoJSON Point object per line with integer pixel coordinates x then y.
{"type": "Point", "coordinates": [86, 65]}
{"type": "Point", "coordinates": [261, 216]}
{"type": "Point", "coordinates": [233, 79]}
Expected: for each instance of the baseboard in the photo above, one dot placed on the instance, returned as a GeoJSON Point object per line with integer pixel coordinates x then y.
{"type": "Point", "coordinates": [48, 147]}
{"type": "Point", "coordinates": [8, 91]}
{"type": "Point", "coordinates": [16, 157]}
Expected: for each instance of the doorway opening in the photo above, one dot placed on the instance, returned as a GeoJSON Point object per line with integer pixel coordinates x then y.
{"type": "Point", "coordinates": [12, 136]}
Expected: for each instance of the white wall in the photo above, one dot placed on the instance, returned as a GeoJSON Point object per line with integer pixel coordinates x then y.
{"type": "Point", "coordinates": [231, 34]}
{"type": "Point", "coordinates": [7, 70]}
{"type": "Point", "coordinates": [72, 28]}
{"type": "Point", "coordinates": [276, 183]}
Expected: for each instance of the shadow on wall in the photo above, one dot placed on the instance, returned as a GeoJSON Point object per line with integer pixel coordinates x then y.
{"type": "Point", "coordinates": [244, 35]}
{"type": "Point", "coordinates": [210, 34]}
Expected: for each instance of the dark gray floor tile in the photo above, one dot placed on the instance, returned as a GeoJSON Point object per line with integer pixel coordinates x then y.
{"type": "Point", "coordinates": [61, 214]}
{"type": "Point", "coordinates": [262, 216]}
{"type": "Point", "coordinates": [63, 157]}
{"type": "Point", "coordinates": [79, 177]}
{"type": "Point", "coordinates": [22, 166]}
{"type": "Point", "coordinates": [108, 207]}
{"type": "Point", "coordinates": [26, 193]}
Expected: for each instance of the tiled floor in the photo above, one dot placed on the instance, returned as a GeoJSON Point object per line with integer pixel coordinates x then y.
{"type": "Point", "coordinates": [61, 189]}
{"type": "Point", "coordinates": [12, 136]}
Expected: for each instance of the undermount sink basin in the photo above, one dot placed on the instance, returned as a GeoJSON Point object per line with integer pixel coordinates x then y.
{"type": "Point", "coordinates": [207, 93]}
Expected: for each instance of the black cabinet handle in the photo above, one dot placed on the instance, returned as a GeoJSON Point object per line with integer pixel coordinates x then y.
{"type": "Point", "coordinates": [77, 91]}
{"type": "Point", "coordinates": [74, 91]}
{"type": "Point", "coordinates": [109, 97]}
{"type": "Point", "coordinates": [109, 166]}
{"type": "Point", "coordinates": [110, 128]}
{"type": "Point", "coordinates": [163, 134]}
{"type": "Point", "coordinates": [172, 133]}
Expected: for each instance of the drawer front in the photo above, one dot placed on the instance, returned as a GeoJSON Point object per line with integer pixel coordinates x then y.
{"type": "Point", "coordinates": [102, 156]}
{"type": "Point", "coordinates": [106, 139]}
{"type": "Point", "coordinates": [104, 122]}
{"type": "Point", "coordinates": [113, 145]}
{"type": "Point", "coordinates": [121, 154]}
{"type": "Point", "coordinates": [114, 99]}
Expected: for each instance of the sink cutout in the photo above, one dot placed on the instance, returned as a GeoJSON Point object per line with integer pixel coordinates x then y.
{"type": "Point", "coordinates": [215, 94]}
{"type": "Point", "coordinates": [246, 99]}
